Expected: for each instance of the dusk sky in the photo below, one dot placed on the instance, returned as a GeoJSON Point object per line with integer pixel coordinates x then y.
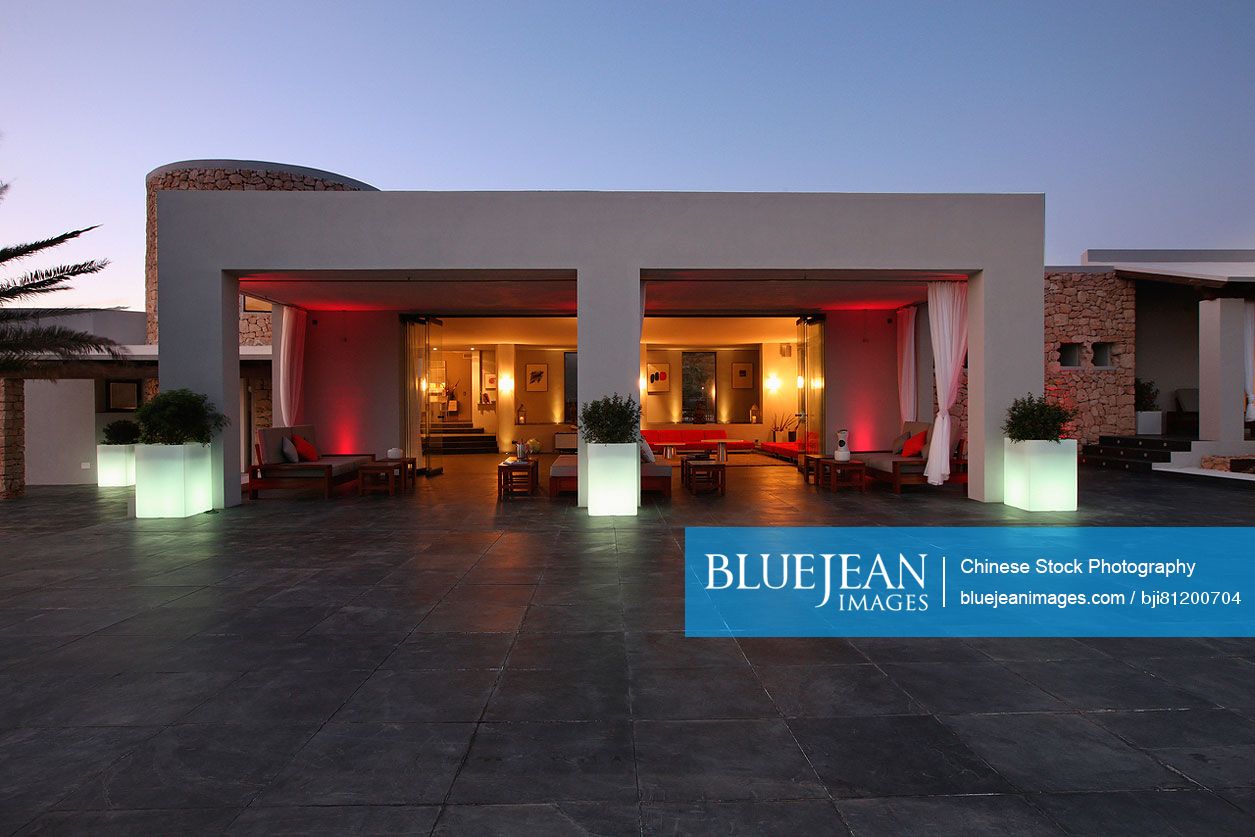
{"type": "Point", "coordinates": [1137, 120]}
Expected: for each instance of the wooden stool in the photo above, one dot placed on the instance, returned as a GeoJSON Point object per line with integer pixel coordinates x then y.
{"type": "Point", "coordinates": [706, 476]}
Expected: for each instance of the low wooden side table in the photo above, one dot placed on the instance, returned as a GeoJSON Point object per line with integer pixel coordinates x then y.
{"type": "Point", "coordinates": [705, 475]}
{"type": "Point", "coordinates": [518, 477]}
{"type": "Point", "coordinates": [834, 475]}
{"type": "Point", "coordinates": [380, 475]}
{"type": "Point", "coordinates": [808, 464]}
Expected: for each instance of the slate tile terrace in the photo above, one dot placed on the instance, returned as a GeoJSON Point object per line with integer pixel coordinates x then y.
{"type": "Point", "coordinates": [442, 662]}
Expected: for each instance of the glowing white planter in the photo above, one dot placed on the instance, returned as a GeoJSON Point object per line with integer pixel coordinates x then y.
{"type": "Point", "coordinates": [172, 480]}
{"type": "Point", "coordinates": [115, 465]}
{"type": "Point", "coordinates": [1150, 422]}
{"type": "Point", "coordinates": [1040, 475]}
{"type": "Point", "coordinates": [614, 479]}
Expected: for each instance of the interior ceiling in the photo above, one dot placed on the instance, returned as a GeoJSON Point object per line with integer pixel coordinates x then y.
{"type": "Point", "coordinates": [560, 332]}
{"type": "Point", "coordinates": [553, 292]}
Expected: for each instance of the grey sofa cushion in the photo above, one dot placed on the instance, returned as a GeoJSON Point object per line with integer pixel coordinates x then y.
{"type": "Point", "coordinates": [270, 440]}
{"type": "Point", "coordinates": [289, 450]}
{"type": "Point", "coordinates": [883, 461]}
{"type": "Point", "coordinates": [655, 469]}
{"type": "Point", "coordinates": [340, 465]}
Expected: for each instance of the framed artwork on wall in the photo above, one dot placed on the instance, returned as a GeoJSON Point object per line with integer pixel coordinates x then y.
{"type": "Point", "coordinates": [658, 377]}
{"type": "Point", "coordinates": [122, 396]}
{"type": "Point", "coordinates": [490, 380]}
{"type": "Point", "coordinates": [537, 377]}
{"type": "Point", "coordinates": [742, 376]}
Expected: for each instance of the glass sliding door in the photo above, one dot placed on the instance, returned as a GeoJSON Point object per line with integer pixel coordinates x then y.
{"type": "Point", "coordinates": [425, 400]}
{"type": "Point", "coordinates": [810, 385]}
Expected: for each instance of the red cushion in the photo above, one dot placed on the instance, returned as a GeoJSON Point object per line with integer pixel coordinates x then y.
{"type": "Point", "coordinates": [914, 446]}
{"type": "Point", "coordinates": [715, 433]}
{"type": "Point", "coordinates": [305, 448]}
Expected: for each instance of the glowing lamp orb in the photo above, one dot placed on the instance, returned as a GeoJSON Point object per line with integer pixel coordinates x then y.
{"type": "Point", "coordinates": [173, 480]}
{"type": "Point", "coordinates": [772, 383]}
{"type": "Point", "coordinates": [505, 383]}
{"type": "Point", "coordinates": [1040, 475]}
{"type": "Point", "coordinates": [801, 382]}
{"type": "Point", "coordinates": [115, 465]}
{"type": "Point", "coordinates": [614, 480]}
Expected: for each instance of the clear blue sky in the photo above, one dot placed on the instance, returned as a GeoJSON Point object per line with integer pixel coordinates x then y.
{"type": "Point", "coordinates": [1136, 119]}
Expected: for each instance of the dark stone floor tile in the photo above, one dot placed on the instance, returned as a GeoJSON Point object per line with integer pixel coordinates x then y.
{"type": "Point", "coordinates": [1036, 648]}
{"type": "Point", "coordinates": [1060, 752]}
{"type": "Point", "coordinates": [137, 823]}
{"type": "Point", "coordinates": [799, 651]}
{"type": "Point", "coordinates": [664, 613]}
{"type": "Point", "coordinates": [135, 699]}
{"type": "Point", "coordinates": [695, 761]}
{"type": "Point", "coordinates": [99, 654]}
{"type": "Point", "coordinates": [39, 766]}
{"type": "Point", "coordinates": [893, 756]}
{"type": "Point", "coordinates": [517, 595]}
{"type": "Point", "coordinates": [670, 650]}
{"type": "Point", "coordinates": [579, 694]}
{"type": "Point", "coordinates": [1128, 648]}
{"type": "Point", "coordinates": [283, 698]}
{"type": "Point", "coordinates": [332, 820]}
{"type": "Point", "coordinates": [320, 652]}
{"type": "Point", "coordinates": [699, 694]}
{"type": "Point", "coordinates": [830, 691]}
{"type": "Point", "coordinates": [210, 766]}
{"type": "Point", "coordinates": [1213, 767]}
{"type": "Point", "coordinates": [26, 697]}
{"type": "Point", "coordinates": [958, 688]}
{"type": "Point", "coordinates": [545, 762]}
{"type": "Point", "coordinates": [1178, 727]}
{"type": "Point", "coordinates": [368, 619]}
{"type": "Point", "coordinates": [1106, 685]}
{"type": "Point", "coordinates": [917, 650]}
{"type": "Point", "coordinates": [575, 594]}
{"type": "Point", "coordinates": [994, 814]}
{"type": "Point", "coordinates": [392, 695]}
{"type": "Point", "coordinates": [467, 617]}
{"type": "Point", "coordinates": [1186, 812]}
{"type": "Point", "coordinates": [372, 764]}
{"type": "Point", "coordinates": [451, 650]}
{"type": "Point", "coordinates": [596, 650]}
{"type": "Point", "coordinates": [746, 818]}
{"type": "Point", "coordinates": [1226, 681]}
{"type": "Point", "coordinates": [569, 619]}
{"type": "Point", "coordinates": [553, 819]}
{"type": "Point", "coordinates": [1244, 798]}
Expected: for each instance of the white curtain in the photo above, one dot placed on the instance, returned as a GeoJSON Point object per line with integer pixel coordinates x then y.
{"type": "Point", "coordinates": [288, 363]}
{"type": "Point", "coordinates": [1249, 356]}
{"type": "Point", "coordinates": [947, 320]}
{"type": "Point", "coordinates": [906, 363]}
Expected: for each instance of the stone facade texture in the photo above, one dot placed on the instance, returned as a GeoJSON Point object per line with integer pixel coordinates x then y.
{"type": "Point", "coordinates": [1089, 308]}
{"type": "Point", "coordinates": [254, 327]}
{"type": "Point", "coordinates": [12, 438]}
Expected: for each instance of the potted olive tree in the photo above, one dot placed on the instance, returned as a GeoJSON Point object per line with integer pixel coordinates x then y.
{"type": "Point", "coordinates": [1039, 466]}
{"type": "Point", "coordinates": [115, 456]}
{"type": "Point", "coordinates": [611, 429]}
{"type": "Point", "coordinates": [1146, 403]}
{"type": "Point", "coordinates": [173, 472]}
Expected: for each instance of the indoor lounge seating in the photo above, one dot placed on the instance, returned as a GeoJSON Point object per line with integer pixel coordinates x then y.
{"type": "Point", "coordinates": [697, 438]}
{"type": "Point", "coordinates": [564, 476]}
{"type": "Point", "coordinates": [900, 467]}
{"type": "Point", "coordinates": [784, 450]}
{"type": "Point", "coordinates": [324, 471]}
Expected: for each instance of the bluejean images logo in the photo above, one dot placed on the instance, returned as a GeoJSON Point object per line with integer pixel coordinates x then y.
{"type": "Point", "coordinates": [969, 581]}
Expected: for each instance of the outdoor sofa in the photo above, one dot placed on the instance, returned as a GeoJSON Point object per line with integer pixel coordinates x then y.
{"type": "Point", "coordinates": [274, 471]}
{"type": "Point", "coordinates": [892, 467]}
{"type": "Point", "coordinates": [564, 476]}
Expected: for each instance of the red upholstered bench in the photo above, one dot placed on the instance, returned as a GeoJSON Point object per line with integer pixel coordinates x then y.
{"type": "Point", "coordinates": [784, 450]}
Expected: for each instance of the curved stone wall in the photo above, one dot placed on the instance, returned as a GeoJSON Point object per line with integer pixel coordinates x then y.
{"type": "Point", "coordinates": [229, 175]}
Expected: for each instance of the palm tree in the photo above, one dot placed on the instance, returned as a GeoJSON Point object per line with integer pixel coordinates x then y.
{"type": "Point", "coordinates": [23, 339]}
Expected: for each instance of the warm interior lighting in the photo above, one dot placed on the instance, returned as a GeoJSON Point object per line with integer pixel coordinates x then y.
{"type": "Point", "coordinates": [801, 382]}
{"type": "Point", "coordinates": [642, 383]}
{"type": "Point", "coordinates": [817, 383]}
{"type": "Point", "coordinates": [505, 383]}
{"type": "Point", "coordinates": [772, 383]}
{"type": "Point", "coordinates": [422, 384]}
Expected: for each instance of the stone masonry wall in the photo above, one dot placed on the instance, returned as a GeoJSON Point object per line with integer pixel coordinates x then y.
{"type": "Point", "coordinates": [254, 327]}
{"type": "Point", "coordinates": [1089, 308]}
{"type": "Point", "coordinates": [12, 438]}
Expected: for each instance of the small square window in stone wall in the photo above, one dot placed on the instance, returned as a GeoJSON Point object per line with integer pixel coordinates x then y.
{"type": "Point", "coordinates": [1070, 355]}
{"type": "Point", "coordinates": [1103, 358]}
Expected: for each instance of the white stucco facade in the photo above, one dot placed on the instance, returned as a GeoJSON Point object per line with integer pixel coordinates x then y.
{"type": "Point", "coordinates": [209, 239]}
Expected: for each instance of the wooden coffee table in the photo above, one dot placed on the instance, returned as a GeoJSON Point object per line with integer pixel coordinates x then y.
{"type": "Point", "coordinates": [518, 477]}
{"type": "Point", "coordinates": [722, 454]}
{"type": "Point", "coordinates": [381, 475]}
{"type": "Point", "coordinates": [705, 475]}
{"type": "Point", "coordinates": [834, 475]}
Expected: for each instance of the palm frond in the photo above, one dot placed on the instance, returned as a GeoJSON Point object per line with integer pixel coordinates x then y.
{"type": "Point", "coordinates": [4, 189]}
{"type": "Point", "coordinates": [31, 315]}
{"type": "Point", "coordinates": [21, 251]}
{"type": "Point", "coordinates": [19, 347]}
{"type": "Point", "coordinates": [47, 280]}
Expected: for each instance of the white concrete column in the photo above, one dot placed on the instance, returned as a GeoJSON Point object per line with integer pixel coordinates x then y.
{"type": "Point", "coordinates": [1221, 369]}
{"type": "Point", "coordinates": [200, 350]}
{"type": "Point", "coordinates": [507, 385]}
{"type": "Point", "coordinates": [609, 354]}
{"type": "Point", "coordinates": [1006, 327]}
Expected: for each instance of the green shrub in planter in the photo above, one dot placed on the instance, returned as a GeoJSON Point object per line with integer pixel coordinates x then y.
{"type": "Point", "coordinates": [611, 420]}
{"type": "Point", "coordinates": [1035, 418]}
{"type": "Point", "coordinates": [177, 417]}
{"type": "Point", "coordinates": [121, 432]}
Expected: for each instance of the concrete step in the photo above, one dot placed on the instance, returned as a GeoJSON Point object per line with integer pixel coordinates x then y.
{"type": "Point", "coordinates": [1169, 443]}
{"type": "Point", "coordinates": [1130, 453]}
{"type": "Point", "coordinates": [1116, 463]}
